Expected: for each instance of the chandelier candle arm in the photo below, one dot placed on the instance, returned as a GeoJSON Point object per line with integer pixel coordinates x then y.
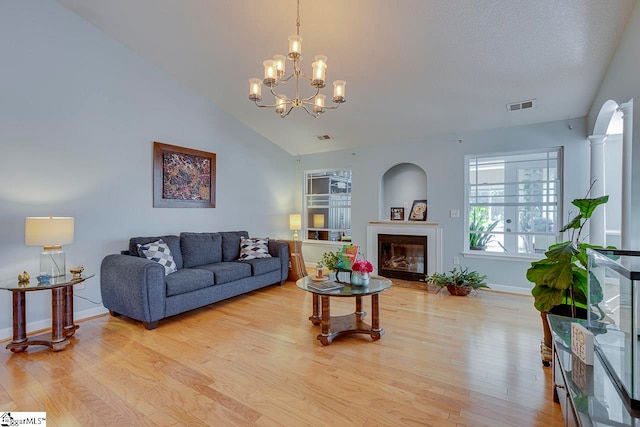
{"type": "Point", "coordinates": [274, 74]}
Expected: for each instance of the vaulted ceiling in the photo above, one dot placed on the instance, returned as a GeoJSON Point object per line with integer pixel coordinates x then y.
{"type": "Point", "coordinates": [415, 69]}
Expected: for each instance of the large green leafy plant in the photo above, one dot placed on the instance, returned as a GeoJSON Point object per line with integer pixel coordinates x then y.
{"type": "Point", "coordinates": [561, 277]}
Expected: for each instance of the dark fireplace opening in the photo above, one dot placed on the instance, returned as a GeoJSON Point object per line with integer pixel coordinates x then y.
{"type": "Point", "coordinates": [402, 257]}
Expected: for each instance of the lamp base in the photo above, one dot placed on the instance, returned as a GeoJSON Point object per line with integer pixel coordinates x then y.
{"type": "Point", "coordinates": [52, 261]}
{"type": "Point", "coordinates": [295, 235]}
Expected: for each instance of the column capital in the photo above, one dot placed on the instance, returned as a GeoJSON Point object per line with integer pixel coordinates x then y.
{"type": "Point", "coordinates": [626, 108]}
{"type": "Point", "coordinates": [597, 139]}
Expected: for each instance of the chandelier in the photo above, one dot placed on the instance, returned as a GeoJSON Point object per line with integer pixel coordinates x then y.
{"type": "Point", "coordinates": [274, 74]}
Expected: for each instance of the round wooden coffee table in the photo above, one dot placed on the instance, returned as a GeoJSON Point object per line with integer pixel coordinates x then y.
{"type": "Point", "coordinates": [334, 326]}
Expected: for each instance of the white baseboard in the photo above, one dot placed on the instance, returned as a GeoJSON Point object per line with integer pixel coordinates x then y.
{"type": "Point", "coordinates": [39, 325]}
{"type": "Point", "coordinates": [509, 289]}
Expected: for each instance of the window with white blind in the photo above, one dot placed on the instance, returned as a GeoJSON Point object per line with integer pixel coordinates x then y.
{"type": "Point", "coordinates": [513, 201]}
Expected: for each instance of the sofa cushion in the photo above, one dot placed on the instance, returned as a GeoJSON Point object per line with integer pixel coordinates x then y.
{"type": "Point", "coordinates": [200, 248]}
{"type": "Point", "coordinates": [159, 252]}
{"type": "Point", "coordinates": [225, 272]}
{"type": "Point", "coordinates": [187, 280]}
{"type": "Point", "coordinates": [231, 244]}
{"type": "Point", "coordinates": [263, 265]}
{"type": "Point", "coordinates": [172, 241]}
{"type": "Point", "coordinates": [254, 248]}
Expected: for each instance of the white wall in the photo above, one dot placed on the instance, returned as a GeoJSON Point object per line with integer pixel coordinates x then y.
{"type": "Point", "coordinates": [78, 116]}
{"type": "Point", "coordinates": [443, 161]}
{"type": "Point", "coordinates": [621, 83]}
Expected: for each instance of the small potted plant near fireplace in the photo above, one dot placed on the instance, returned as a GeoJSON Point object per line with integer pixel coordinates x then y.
{"type": "Point", "coordinates": [459, 281]}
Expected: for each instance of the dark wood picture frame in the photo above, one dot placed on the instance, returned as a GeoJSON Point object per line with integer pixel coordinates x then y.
{"type": "Point", "coordinates": [397, 214]}
{"type": "Point", "coordinates": [418, 211]}
{"type": "Point", "coordinates": [183, 177]}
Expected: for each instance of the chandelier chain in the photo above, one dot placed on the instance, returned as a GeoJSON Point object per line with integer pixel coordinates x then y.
{"type": "Point", "coordinates": [298, 20]}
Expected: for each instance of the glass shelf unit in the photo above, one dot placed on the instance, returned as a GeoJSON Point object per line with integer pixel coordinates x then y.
{"type": "Point", "coordinates": [328, 205]}
{"type": "Point", "coordinates": [613, 292]}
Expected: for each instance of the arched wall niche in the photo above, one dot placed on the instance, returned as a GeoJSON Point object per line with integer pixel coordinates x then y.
{"type": "Point", "coordinates": [401, 185]}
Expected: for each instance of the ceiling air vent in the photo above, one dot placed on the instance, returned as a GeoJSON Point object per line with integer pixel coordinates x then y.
{"type": "Point", "coordinates": [522, 105]}
{"type": "Point", "coordinates": [323, 137]}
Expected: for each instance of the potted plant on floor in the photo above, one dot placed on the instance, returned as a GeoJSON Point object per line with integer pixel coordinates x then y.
{"type": "Point", "coordinates": [480, 228]}
{"type": "Point", "coordinates": [459, 281]}
{"type": "Point", "coordinates": [561, 277]}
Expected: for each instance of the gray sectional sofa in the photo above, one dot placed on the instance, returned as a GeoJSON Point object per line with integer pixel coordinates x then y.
{"type": "Point", "coordinates": [208, 270]}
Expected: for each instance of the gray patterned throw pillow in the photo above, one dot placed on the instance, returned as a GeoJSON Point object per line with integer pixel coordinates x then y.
{"type": "Point", "coordinates": [159, 252]}
{"type": "Point", "coordinates": [254, 248]}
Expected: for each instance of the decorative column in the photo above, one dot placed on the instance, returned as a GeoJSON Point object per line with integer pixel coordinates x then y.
{"type": "Point", "coordinates": [627, 165]}
{"type": "Point", "coordinates": [597, 225]}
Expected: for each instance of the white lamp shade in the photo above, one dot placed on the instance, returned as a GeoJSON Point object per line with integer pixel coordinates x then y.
{"type": "Point", "coordinates": [318, 220]}
{"type": "Point", "coordinates": [48, 231]}
{"type": "Point", "coordinates": [295, 222]}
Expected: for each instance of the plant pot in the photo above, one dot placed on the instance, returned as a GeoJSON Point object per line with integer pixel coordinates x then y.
{"type": "Point", "coordinates": [478, 248]}
{"type": "Point", "coordinates": [560, 310]}
{"type": "Point", "coordinates": [459, 291]}
{"type": "Point", "coordinates": [359, 279]}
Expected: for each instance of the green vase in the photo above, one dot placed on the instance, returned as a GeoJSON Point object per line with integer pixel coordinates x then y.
{"type": "Point", "coordinates": [359, 279]}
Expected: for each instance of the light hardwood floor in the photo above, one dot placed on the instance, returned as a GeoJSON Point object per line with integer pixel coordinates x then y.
{"type": "Point", "coordinates": [255, 360]}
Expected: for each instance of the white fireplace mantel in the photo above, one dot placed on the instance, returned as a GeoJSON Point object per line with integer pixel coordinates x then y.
{"type": "Point", "coordinates": [412, 228]}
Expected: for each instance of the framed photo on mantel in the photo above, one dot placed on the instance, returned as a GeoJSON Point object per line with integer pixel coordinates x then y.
{"type": "Point", "coordinates": [183, 177]}
{"type": "Point", "coordinates": [418, 211]}
{"type": "Point", "coordinates": [397, 214]}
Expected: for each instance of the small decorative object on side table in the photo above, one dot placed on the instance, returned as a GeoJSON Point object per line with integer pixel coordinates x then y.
{"type": "Point", "coordinates": [77, 272]}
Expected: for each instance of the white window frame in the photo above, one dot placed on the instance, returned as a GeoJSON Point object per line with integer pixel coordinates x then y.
{"type": "Point", "coordinates": [510, 238]}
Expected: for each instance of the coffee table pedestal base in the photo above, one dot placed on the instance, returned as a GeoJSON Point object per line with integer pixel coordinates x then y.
{"type": "Point", "coordinates": [334, 326]}
{"type": "Point", "coordinates": [347, 325]}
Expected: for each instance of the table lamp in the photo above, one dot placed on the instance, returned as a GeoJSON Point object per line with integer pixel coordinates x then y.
{"type": "Point", "coordinates": [318, 222]}
{"type": "Point", "coordinates": [295, 222]}
{"type": "Point", "coordinates": [50, 233]}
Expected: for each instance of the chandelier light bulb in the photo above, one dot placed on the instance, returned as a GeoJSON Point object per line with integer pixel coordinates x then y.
{"type": "Point", "coordinates": [255, 89]}
{"type": "Point", "coordinates": [281, 104]}
{"type": "Point", "coordinates": [295, 46]}
{"type": "Point", "coordinates": [318, 108]}
{"type": "Point", "coordinates": [279, 63]}
{"type": "Point", "coordinates": [339, 91]}
{"type": "Point", "coordinates": [269, 73]}
{"type": "Point", "coordinates": [319, 71]}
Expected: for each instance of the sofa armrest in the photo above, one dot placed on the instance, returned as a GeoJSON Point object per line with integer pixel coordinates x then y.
{"type": "Point", "coordinates": [133, 286]}
{"type": "Point", "coordinates": [280, 250]}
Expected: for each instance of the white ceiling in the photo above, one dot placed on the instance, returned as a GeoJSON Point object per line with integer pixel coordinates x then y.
{"type": "Point", "coordinates": [415, 69]}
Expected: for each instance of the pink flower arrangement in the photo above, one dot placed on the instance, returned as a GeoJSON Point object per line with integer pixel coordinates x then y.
{"type": "Point", "coordinates": [362, 266]}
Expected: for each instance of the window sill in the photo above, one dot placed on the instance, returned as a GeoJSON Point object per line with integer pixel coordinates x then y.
{"type": "Point", "coordinates": [496, 256]}
{"type": "Point", "coordinates": [325, 242]}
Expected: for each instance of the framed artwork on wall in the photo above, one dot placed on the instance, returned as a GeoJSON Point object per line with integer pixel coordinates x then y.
{"type": "Point", "coordinates": [183, 177]}
{"type": "Point", "coordinates": [418, 211]}
{"type": "Point", "coordinates": [397, 214]}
